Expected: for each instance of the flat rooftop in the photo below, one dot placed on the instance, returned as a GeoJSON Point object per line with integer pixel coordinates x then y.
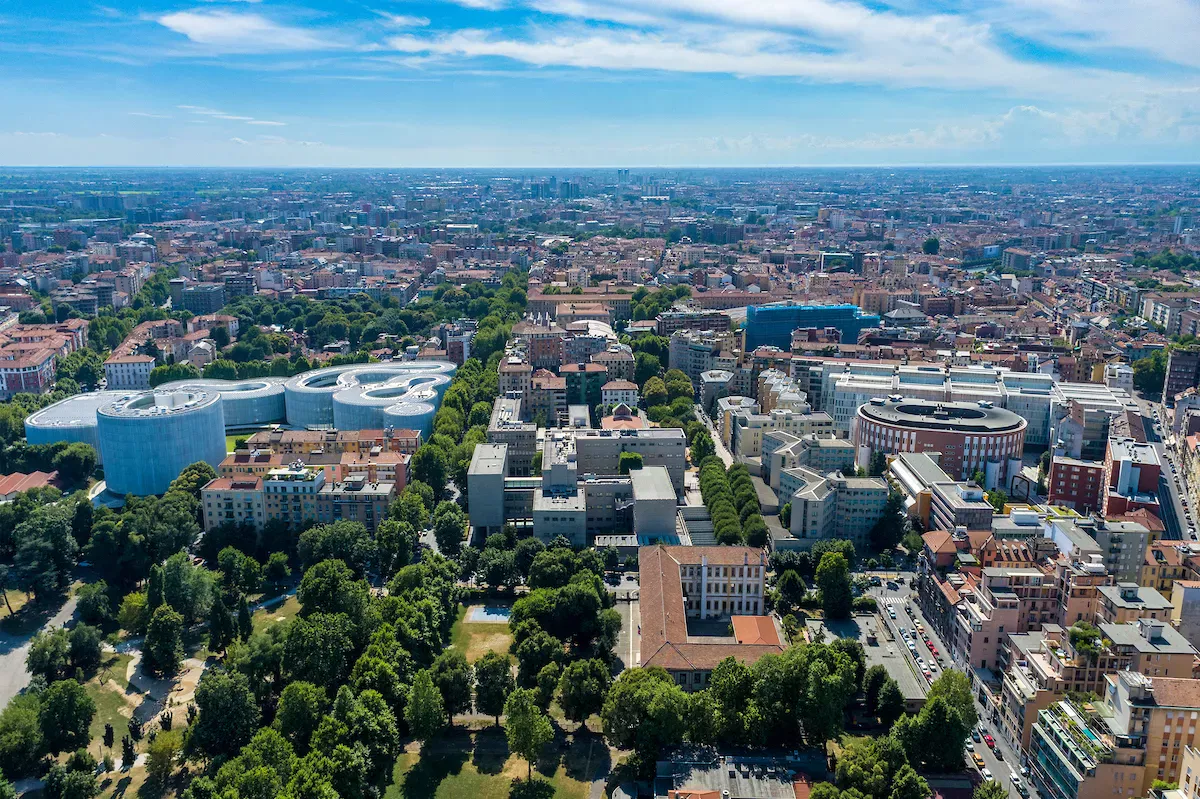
{"type": "Point", "coordinates": [652, 483]}
{"type": "Point", "coordinates": [964, 417]}
{"type": "Point", "coordinates": [489, 459]}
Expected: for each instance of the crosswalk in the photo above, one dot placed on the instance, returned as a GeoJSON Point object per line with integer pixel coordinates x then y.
{"type": "Point", "coordinates": [892, 600]}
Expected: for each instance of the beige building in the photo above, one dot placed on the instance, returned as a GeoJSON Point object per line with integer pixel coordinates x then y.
{"type": "Point", "coordinates": [233, 500]}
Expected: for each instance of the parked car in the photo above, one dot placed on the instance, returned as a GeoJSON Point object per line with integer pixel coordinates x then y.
{"type": "Point", "coordinates": [987, 775]}
{"type": "Point", "coordinates": [989, 740]}
{"type": "Point", "coordinates": [975, 736]}
{"type": "Point", "coordinates": [978, 760]}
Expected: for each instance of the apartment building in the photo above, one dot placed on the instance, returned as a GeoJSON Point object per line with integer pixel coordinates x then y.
{"type": "Point", "coordinates": [1166, 562]}
{"type": "Point", "coordinates": [984, 618]}
{"type": "Point", "coordinates": [619, 392]}
{"type": "Point", "coordinates": [1131, 475]}
{"type": "Point", "coordinates": [128, 372]}
{"type": "Point", "coordinates": [695, 352]}
{"type": "Point", "coordinates": [1075, 484]}
{"type": "Point", "coordinates": [255, 462]}
{"type": "Point", "coordinates": [355, 499]}
{"type": "Point", "coordinates": [1043, 667]}
{"type": "Point", "coordinates": [236, 500]}
{"type": "Point", "coordinates": [1074, 755]}
{"type": "Point", "coordinates": [290, 494]}
{"type": "Point", "coordinates": [1159, 714]}
{"type": "Point", "coordinates": [1124, 603]}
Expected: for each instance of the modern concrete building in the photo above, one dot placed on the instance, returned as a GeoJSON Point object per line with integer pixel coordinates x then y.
{"type": "Point", "coordinates": [599, 451]}
{"type": "Point", "coordinates": [654, 504]}
{"type": "Point", "coordinates": [915, 473]}
{"type": "Point", "coordinates": [149, 438]}
{"type": "Point", "coordinates": [970, 437]}
{"type": "Point", "coordinates": [485, 488]}
{"type": "Point", "coordinates": [507, 427]}
{"type": "Point", "coordinates": [747, 429]}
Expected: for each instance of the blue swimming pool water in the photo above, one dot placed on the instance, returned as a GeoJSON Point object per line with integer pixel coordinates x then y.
{"type": "Point", "coordinates": [489, 613]}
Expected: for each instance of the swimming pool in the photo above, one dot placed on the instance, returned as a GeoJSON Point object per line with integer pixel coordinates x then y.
{"type": "Point", "coordinates": [489, 614]}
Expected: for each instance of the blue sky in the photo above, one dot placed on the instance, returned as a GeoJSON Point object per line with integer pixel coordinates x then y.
{"type": "Point", "coordinates": [511, 83]}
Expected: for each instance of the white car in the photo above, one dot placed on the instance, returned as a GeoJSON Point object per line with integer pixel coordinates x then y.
{"type": "Point", "coordinates": [987, 774]}
{"type": "Point", "coordinates": [921, 662]}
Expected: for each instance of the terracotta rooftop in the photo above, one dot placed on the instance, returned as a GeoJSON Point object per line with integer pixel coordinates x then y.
{"type": "Point", "coordinates": [664, 618]}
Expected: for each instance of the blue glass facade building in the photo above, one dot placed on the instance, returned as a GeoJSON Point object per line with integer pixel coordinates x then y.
{"type": "Point", "coordinates": [772, 325]}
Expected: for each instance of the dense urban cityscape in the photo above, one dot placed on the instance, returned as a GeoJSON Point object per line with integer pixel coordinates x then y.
{"type": "Point", "coordinates": [584, 483]}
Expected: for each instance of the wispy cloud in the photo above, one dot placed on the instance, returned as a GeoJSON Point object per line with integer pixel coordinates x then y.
{"type": "Point", "coordinates": [148, 115]}
{"type": "Point", "coordinates": [213, 113]}
{"type": "Point", "coordinates": [221, 31]}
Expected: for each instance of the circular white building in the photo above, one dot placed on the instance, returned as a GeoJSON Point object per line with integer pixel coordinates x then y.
{"type": "Point", "coordinates": [150, 437]}
{"type": "Point", "coordinates": [356, 397]}
{"type": "Point", "coordinates": [245, 403]}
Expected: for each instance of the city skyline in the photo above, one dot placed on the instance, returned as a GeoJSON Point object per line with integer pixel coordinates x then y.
{"type": "Point", "coordinates": [561, 83]}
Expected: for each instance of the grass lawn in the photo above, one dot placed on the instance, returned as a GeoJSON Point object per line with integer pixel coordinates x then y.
{"type": "Point", "coordinates": [111, 706]}
{"type": "Point", "coordinates": [479, 766]}
{"type": "Point", "coordinates": [273, 615]}
{"type": "Point", "coordinates": [474, 639]}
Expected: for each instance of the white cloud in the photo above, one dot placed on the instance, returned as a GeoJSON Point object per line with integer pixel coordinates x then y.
{"type": "Point", "coordinates": [149, 115]}
{"type": "Point", "coordinates": [486, 5]}
{"type": "Point", "coordinates": [753, 52]}
{"type": "Point", "coordinates": [403, 20]}
{"type": "Point", "coordinates": [239, 32]}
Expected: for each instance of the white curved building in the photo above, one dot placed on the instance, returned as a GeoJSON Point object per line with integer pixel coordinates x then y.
{"type": "Point", "coordinates": [311, 396]}
{"type": "Point", "coordinates": [72, 419]}
{"type": "Point", "coordinates": [145, 438]}
{"type": "Point", "coordinates": [244, 403]}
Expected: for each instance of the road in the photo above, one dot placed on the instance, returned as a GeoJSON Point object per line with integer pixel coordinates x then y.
{"type": "Point", "coordinates": [899, 599]}
{"type": "Point", "coordinates": [722, 452]}
{"type": "Point", "coordinates": [13, 649]}
{"type": "Point", "coordinates": [1171, 486]}
{"type": "Point", "coordinates": [628, 648]}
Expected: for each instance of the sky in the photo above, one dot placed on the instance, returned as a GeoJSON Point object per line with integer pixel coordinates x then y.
{"type": "Point", "coordinates": [604, 83]}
